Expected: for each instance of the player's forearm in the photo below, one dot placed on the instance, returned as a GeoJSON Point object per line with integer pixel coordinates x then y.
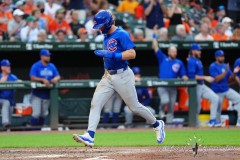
{"type": "Point", "coordinates": [155, 45]}
{"type": "Point", "coordinates": [129, 54]}
{"type": "Point", "coordinates": [197, 77]}
{"type": "Point", "coordinates": [37, 79]}
{"type": "Point", "coordinates": [220, 77]}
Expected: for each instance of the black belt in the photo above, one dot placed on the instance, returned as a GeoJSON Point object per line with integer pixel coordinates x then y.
{"type": "Point", "coordinates": [112, 72]}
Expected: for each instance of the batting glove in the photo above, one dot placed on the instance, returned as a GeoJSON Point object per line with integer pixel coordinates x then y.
{"type": "Point", "coordinates": [108, 54]}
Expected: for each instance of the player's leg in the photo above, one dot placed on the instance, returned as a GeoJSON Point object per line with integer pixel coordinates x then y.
{"type": "Point", "coordinates": [44, 111]}
{"type": "Point", "coordinates": [5, 112]}
{"type": "Point", "coordinates": [221, 97]}
{"type": "Point", "coordinates": [151, 110]}
{"type": "Point", "coordinates": [36, 109]}
{"type": "Point", "coordinates": [199, 98]}
{"type": "Point", "coordinates": [117, 104]}
{"type": "Point", "coordinates": [107, 108]}
{"type": "Point", "coordinates": [101, 95]}
{"type": "Point", "coordinates": [234, 97]}
{"type": "Point", "coordinates": [128, 117]}
{"type": "Point", "coordinates": [164, 100]}
{"type": "Point", "coordinates": [213, 98]}
{"type": "Point", "coordinates": [124, 84]}
{"type": "Point", "coordinates": [172, 96]}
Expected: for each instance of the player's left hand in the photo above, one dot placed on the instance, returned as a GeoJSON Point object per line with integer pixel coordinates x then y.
{"type": "Point", "coordinates": [236, 69]}
{"type": "Point", "coordinates": [104, 53]}
{"type": "Point", "coordinates": [185, 78]}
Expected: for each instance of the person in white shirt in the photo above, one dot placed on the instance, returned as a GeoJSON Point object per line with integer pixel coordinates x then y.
{"type": "Point", "coordinates": [227, 22]}
{"type": "Point", "coordinates": [30, 32]}
{"type": "Point", "coordinates": [204, 33]}
{"type": "Point", "coordinates": [51, 8]}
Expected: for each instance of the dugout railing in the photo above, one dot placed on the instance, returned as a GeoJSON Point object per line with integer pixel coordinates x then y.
{"type": "Point", "coordinates": [91, 84]}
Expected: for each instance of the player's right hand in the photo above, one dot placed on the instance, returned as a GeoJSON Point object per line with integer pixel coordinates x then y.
{"type": "Point", "coordinates": [46, 82]}
{"type": "Point", "coordinates": [209, 79]}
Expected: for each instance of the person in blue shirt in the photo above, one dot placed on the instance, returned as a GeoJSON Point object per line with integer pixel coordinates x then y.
{"type": "Point", "coordinates": [237, 63]}
{"type": "Point", "coordinates": [7, 96]}
{"type": "Point", "coordinates": [118, 48]}
{"type": "Point", "coordinates": [195, 71]}
{"type": "Point", "coordinates": [223, 76]}
{"type": "Point", "coordinates": [44, 72]}
{"type": "Point", "coordinates": [169, 68]}
{"type": "Point", "coordinates": [143, 98]}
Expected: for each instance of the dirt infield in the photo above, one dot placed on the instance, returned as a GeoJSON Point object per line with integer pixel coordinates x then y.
{"type": "Point", "coordinates": [121, 153]}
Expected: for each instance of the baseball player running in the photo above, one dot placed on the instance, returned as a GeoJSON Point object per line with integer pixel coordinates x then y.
{"type": "Point", "coordinates": [169, 68]}
{"type": "Point", "coordinates": [143, 98]}
{"type": "Point", "coordinates": [113, 107]}
{"type": "Point", "coordinates": [7, 96]}
{"type": "Point", "coordinates": [45, 72]}
{"type": "Point", "coordinates": [118, 77]}
{"type": "Point", "coordinates": [195, 71]}
{"type": "Point", "coordinates": [223, 75]}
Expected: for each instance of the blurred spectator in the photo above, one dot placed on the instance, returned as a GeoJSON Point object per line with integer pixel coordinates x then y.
{"type": "Point", "coordinates": [41, 22]}
{"type": "Point", "coordinates": [220, 35]}
{"type": "Point", "coordinates": [5, 17]}
{"type": "Point", "coordinates": [75, 25]}
{"type": "Point", "coordinates": [221, 13]}
{"type": "Point", "coordinates": [236, 34]}
{"type": "Point", "coordinates": [209, 23]}
{"type": "Point", "coordinates": [41, 7]}
{"type": "Point", "coordinates": [30, 32]}
{"type": "Point", "coordinates": [7, 96]}
{"type": "Point", "coordinates": [139, 35]}
{"type": "Point", "coordinates": [204, 33]}
{"type": "Point", "coordinates": [29, 7]}
{"type": "Point", "coordinates": [15, 25]}
{"type": "Point", "coordinates": [90, 7]}
{"type": "Point", "coordinates": [163, 34]}
{"type": "Point", "coordinates": [233, 9]}
{"type": "Point", "coordinates": [184, 4]}
{"type": "Point", "coordinates": [181, 34]}
{"type": "Point", "coordinates": [89, 25]}
{"type": "Point", "coordinates": [195, 15]}
{"type": "Point", "coordinates": [154, 12]}
{"type": "Point", "coordinates": [104, 5]}
{"type": "Point", "coordinates": [9, 6]}
{"type": "Point", "coordinates": [128, 6]}
{"type": "Point", "coordinates": [19, 5]}
{"type": "Point", "coordinates": [60, 35]}
{"type": "Point", "coordinates": [211, 16]}
{"type": "Point", "coordinates": [51, 8]}
{"type": "Point", "coordinates": [175, 16]}
{"type": "Point", "coordinates": [139, 12]}
{"type": "Point", "coordinates": [42, 36]}
{"type": "Point", "coordinates": [59, 23]}
{"type": "Point", "coordinates": [82, 35]}
{"type": "Point", "coordinates": [227, 22]}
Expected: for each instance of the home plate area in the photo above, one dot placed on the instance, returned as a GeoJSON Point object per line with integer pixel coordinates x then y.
{"type": "Point", "coordinates": [120, 153]}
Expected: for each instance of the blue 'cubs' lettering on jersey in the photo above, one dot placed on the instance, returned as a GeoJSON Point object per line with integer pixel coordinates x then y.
{"type": "Point", "coordinates": [175, 67]}
{"type": "Point", "coordinates": [46, 73]}
{"type": "Point", "coordinates": [112, 45]}
{"type": "Point", "coordinates": [118, 41]}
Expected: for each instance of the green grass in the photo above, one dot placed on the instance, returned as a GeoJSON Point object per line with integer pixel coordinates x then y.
{"type": "Point", "coordinates": [229, 137]}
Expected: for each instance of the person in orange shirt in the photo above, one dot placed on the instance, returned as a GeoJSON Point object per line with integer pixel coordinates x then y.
{"type": "Point", "coordinates": [59, 24]}
{"type": "Point", "coordinates": [128, 6]}
{"type": "Point", "coordinates": [220, 33]}
{"type": "Point", "coordinates": [41, 6]}
{"type": "Point", "coordinates": [29, 7]}
{"type": "Point", "coordinates": [211, 16]}
{"type": "Point", "coordinates": [4, 19]}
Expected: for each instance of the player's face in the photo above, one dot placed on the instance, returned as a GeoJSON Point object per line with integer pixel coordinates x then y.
{"type": "Point", "coordinates": [197, 53]}
{"type": "Point", "coordinates": [6, 69]}
{"type": "Point", "coordinates": [220, 59]}
{"type": "Point", "coordinates": [172, 52]}
{"type": "Point", "coordinates": [46, 59]}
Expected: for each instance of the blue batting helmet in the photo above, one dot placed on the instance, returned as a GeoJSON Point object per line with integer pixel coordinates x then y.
{"type": "Point", "coordinates": [195, 46]}
{"type": "Point", "coordinates": [103, 19]}
{"type": "Point", "coordinates": [136, 70]}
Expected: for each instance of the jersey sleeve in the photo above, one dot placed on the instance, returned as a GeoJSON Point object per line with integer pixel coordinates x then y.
{"type": "Point", "coordinates": [55, 71]}
{"type": "Point", "coordinates": [33, 71]}
{"type": "Point", "coordinates": [14, 77]}
{"type": "Point", "coordinates": [160, 55]}
{"type": "Point", "coordinates": [182, 70]}
{"type": "Point", "coordinates": [126, 41]}
{"type": "Point", "coordinates": [191, 69]}
{"type": "Point", "coordinates": [213, 71]}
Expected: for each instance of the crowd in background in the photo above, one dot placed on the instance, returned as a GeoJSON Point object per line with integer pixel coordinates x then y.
{"type": "Point", "coordinates": [71, 20]}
